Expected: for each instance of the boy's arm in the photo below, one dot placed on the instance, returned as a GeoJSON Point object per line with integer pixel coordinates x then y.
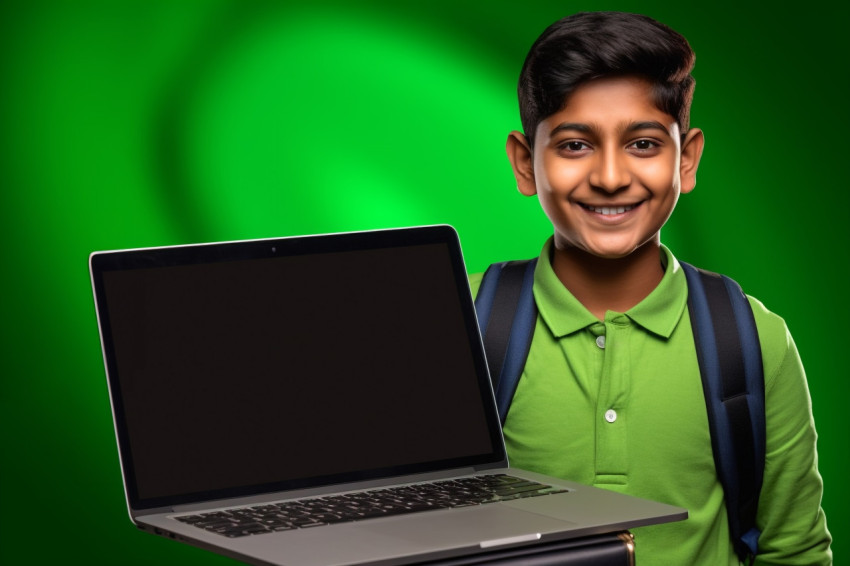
{"type": "Point", "coordinates": [790, 517]}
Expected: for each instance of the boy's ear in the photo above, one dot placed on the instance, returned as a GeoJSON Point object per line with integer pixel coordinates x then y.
{"type": "Point", "coordinates": [522, 161]}
{"type": "Point", "coordinates": [691, 153]}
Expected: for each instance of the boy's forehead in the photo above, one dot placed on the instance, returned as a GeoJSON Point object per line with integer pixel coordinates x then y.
{"type": "Point", "coordinates": [606, 103]}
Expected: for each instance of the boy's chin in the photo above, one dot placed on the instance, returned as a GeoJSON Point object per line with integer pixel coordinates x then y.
{"type": "Point", "coordinates": [611, 251]}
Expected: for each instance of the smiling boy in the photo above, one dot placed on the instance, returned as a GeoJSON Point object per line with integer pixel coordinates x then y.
{"type": "Point", "coordinates": [608, 169]}
{"type": "Point", "coordinates": [611, 392]}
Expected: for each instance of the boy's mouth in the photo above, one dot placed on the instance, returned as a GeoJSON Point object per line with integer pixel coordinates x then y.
{"type": "Point", "coordinates": [609, 210]}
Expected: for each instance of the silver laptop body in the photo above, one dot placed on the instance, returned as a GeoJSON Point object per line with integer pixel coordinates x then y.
{"type": "Point", "coordinates": [247, 373]}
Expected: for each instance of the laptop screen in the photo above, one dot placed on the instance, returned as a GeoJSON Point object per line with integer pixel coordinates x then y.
{"type": "Point", "coordinates": [240, 368]}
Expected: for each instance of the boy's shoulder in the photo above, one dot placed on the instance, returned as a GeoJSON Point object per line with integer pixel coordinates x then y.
{"type": "Point", "coordinates": [767, 320]}
{"type": "Point", "coordinates": [773, 334]}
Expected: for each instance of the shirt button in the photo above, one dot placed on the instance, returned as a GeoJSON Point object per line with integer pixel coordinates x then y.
{"type": "Point", "coordinates": [600, 341]}
{"type": "Point", "coordinates": [610, 415]}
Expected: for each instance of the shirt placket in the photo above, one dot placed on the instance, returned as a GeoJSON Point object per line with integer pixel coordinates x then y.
{"type": "Point", "coordinates": [612, 343]}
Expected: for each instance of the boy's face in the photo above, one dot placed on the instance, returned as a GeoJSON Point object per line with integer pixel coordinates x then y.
{"type": "Point", "coordinates": [608, 168]}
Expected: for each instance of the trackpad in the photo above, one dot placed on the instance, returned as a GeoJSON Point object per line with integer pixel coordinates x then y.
{"type": "Point", "coordinates": [470, 526]}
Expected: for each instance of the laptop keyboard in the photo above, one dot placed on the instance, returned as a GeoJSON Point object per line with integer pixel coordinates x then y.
{"type": "Point", "coordinates": [314, 512]}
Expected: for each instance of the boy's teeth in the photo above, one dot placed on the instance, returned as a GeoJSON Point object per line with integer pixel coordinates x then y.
{"type": "Point", "coordinates": [606, 210]}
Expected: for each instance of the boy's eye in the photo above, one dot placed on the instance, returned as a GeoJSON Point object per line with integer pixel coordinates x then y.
{"type": "Point", "coordinates": [574, 146]}
{"type": "Point", "coordinates": [644, 146]}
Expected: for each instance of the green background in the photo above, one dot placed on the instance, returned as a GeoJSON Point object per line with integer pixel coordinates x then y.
{"type": "Point", "coordinates": [129, 124]}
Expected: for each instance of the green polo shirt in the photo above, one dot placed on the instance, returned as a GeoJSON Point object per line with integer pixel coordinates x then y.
{"type": "Point", "coordinates": [618, 404]}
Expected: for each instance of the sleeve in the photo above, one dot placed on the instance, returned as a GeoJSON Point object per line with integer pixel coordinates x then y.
{"type": "Point", "coordinates": [790, 516]}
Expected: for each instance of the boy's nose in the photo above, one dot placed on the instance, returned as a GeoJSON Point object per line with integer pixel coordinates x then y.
{"type": "Point", "coordinates": [609, 172]}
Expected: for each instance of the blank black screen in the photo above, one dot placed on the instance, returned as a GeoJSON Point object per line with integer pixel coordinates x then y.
{"type": "Point", "coordinates": [282, 369]}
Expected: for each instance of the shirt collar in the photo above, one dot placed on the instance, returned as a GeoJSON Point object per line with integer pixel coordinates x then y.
{"type": "Point", "coordinates": [658, 313]}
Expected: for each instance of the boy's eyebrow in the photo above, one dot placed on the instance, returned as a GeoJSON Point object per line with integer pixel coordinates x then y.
{"type": "Point", "coordinates": [571, 126]}
{"type": "Point", "coordinates": [650, 125]}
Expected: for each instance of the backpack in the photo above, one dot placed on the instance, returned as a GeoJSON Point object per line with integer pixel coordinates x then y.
{"type": "Point", "coordinates": [729, 356]}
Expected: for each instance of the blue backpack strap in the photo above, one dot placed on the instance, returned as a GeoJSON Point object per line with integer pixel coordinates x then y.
{"type": "Point", "coordinates": [730, 362]}
{"type": "Point", "coordinates": [507, 315]}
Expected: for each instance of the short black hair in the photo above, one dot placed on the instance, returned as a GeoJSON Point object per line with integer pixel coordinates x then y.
{"type": "Point", "coordinates": [592, 45]}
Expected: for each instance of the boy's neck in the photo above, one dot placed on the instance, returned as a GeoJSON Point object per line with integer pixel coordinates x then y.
{"type": "Point", "coordinates": [609, 284]}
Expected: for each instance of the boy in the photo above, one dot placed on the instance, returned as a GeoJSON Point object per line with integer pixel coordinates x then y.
{"type": "Point", "coordinates": [611, 393]}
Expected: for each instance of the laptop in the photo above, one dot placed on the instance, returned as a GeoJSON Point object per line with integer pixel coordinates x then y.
{"type": "Point", "coordinates": [275, 399]}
